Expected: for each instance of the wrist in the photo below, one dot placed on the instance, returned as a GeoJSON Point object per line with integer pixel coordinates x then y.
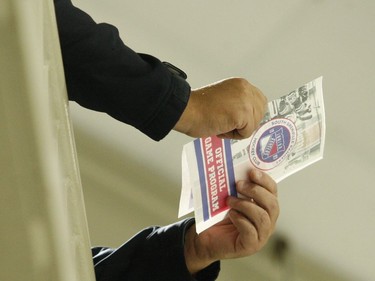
{"type": "Point", "coordinates": [186, 123]}
{"type": "Point", "coordinates": [196, 257]}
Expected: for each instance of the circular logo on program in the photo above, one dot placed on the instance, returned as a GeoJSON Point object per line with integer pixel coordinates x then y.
{"type": "Point", "coordinates": [272, 142]}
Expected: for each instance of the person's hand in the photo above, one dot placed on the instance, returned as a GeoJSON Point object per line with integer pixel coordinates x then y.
{"type": "Point", "coordinates": [231, 108]}
{"type": "Point", "coordinates": [249, 224]}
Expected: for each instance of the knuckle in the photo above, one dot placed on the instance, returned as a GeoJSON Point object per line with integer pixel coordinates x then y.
{"type": "Point", "coordinates": [242, 205]}
{"type": "Point", "coordinates": [241, 82]}
{"type": "Point", "coordinates": [247, 89]}
{"type": "Point", "coordinates": [264, 219]}
{"type": "Point", "coordinates": [252, 232]}
{"type": "Point", "coordinates": [244, 88]}
{"type": "Point", "coordinates": [273, 186]}
{"type": "Point", "coordinates": [255, 191]}
{"type": "Point", "coordinates": [274, 212]}
{"type": "Point", "coordinates": [274, 208]}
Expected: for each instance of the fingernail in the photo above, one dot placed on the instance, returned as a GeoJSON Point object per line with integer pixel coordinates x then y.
{"type": "Point", "coordinates": [257, 174]}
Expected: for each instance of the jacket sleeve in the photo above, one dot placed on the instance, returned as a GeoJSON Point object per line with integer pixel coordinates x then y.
{"type": "Point", "coordinates": [105, 75]}
{"type": "Point", "coordinates": [156, 253]}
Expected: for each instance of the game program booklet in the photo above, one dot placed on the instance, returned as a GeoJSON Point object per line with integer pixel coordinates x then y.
{"type": "Point", "coordinates": [290, 137]}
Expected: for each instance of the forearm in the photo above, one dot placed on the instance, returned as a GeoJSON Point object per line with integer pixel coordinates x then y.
{"type": "Point", "coordinates": [105, 75]}
{"type": "Point", "coordinates": [155, 253]}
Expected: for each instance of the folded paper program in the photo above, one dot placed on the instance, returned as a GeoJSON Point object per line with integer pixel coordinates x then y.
{"type": "Point", "coordinates": [290, 137]}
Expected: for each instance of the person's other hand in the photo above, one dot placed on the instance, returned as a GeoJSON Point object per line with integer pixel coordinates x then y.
{"type": "Point", "coordinates": [231, 108]}
{"type": "Point", "coordinates": [249, 224]}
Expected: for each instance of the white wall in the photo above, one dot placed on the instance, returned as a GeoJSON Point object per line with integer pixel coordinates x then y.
{"type": "Point", "coordinates": [327, 210]}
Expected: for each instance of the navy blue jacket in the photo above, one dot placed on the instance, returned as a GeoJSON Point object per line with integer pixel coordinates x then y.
{"type": "Point", "coordinates": [155, 253]}
{"type": "Point", "coordinates": [105, 75]}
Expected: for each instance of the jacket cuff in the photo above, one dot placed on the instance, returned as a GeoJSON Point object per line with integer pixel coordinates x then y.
{"type": "Point", "coordinates": [165, 250]}
{"type": "Point", "coordinates": [169, 114]}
